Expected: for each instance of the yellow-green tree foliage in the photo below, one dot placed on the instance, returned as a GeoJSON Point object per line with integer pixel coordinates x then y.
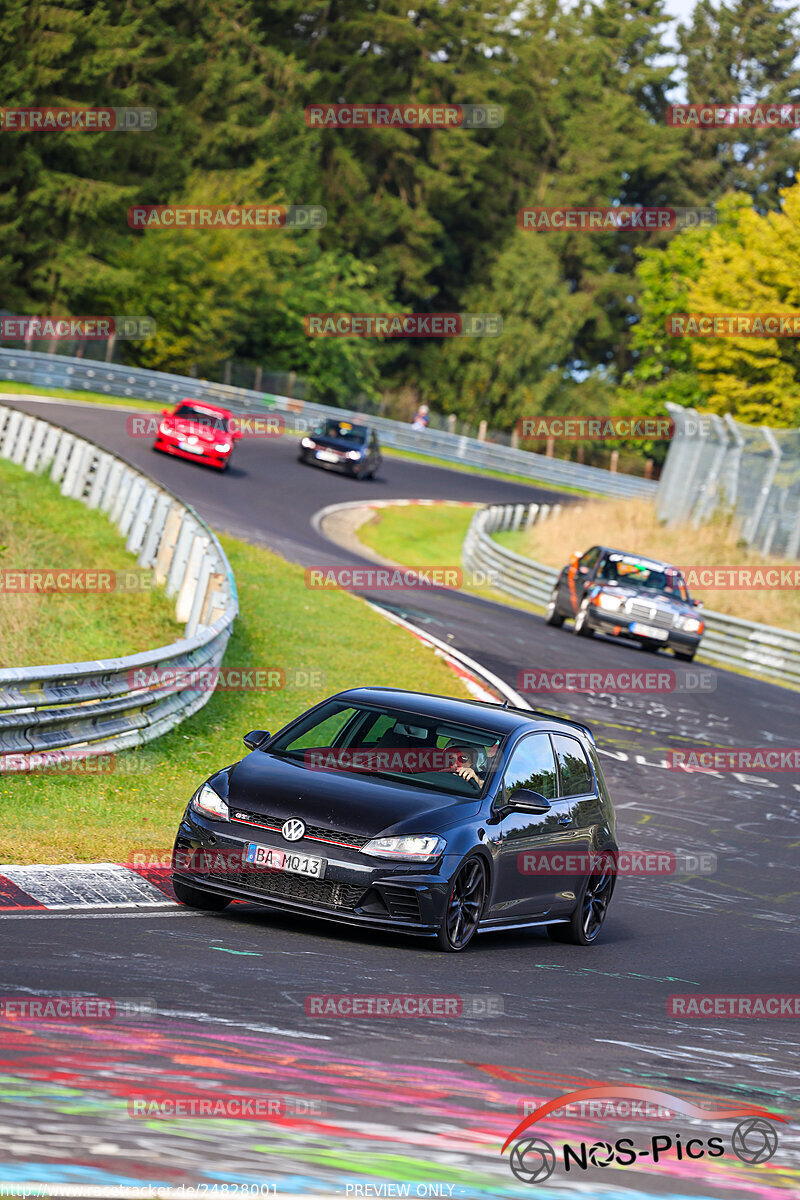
{"type": "Point", "coordinates": [751, 265]}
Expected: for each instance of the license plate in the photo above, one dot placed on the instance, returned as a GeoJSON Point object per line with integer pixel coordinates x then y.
{"type": "Point", "coordinates": [282, 860]}
{"type": "Point", "coordinates": [191, 449]}
{"type": "Point", "coordinates": [649, 631]}
{"type": "Point", "coordinates": [327, 456]}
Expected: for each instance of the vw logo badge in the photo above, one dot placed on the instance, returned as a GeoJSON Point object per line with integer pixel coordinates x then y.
{"type": "Point", "coordinates": [293, 830]}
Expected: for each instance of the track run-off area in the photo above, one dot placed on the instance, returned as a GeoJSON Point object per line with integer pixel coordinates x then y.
{"type": "Point", "coordinates": [427, 1101]}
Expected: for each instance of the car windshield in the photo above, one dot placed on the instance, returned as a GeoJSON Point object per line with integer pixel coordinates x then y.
{"type": "Point", "coordinates": [199, 417]}
{"type": "Point", "coordinates": [644, 575]}
{"type": "Point", "coordinates": [343, 430]}
{"type": "Point", "coordinates": [420, 751]}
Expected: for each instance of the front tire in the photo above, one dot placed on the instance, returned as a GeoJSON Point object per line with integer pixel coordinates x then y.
{"type": "Point", "coordinates": [685, 655]}
{"type": "Point", "coordinates": [551, 614]}
{"type": "Point", "coordinates": [466, 900]}
{"type": "Point", "coordinates": [194, 898]}
{"type": "Point", "coordinates": [590, 912]}
{"type": "Point", "coordinates": [582, 626]}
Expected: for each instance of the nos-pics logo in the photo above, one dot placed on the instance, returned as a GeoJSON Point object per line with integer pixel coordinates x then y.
{"type": "Point", "coordinates": [533, 1160]}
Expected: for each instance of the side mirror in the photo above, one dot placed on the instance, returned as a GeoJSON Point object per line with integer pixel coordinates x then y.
{"type": "Point", "coordinates": [166, 412]}
{"type": "Point", "coordinates": [528, 801]}
{"type": "Point", "coordinates": [254, 738]}
{"type": "Point", "coordinates": [697, 604]}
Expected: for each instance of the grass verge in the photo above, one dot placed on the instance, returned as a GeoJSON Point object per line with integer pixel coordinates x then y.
{"type": "Point", "coordinates": [28, 389]}
{"type": "Point", "coordinates": [633, 525]}
{"type": "Point", "coordinates": [284, 626]}
{"type": "Point", "coordinates": [427, 536]}
{"type": "Point", "coordinates": [41, 530]}
{"type": "Point", "coordinates": [430, 461]}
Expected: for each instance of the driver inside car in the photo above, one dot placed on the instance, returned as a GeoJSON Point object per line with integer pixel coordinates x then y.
{"type": "Point", "coordinates": [472, 762]}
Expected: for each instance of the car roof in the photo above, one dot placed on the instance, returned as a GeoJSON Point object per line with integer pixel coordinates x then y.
{"type": "Point", "coordinates": [496, 718]}
{"type": "Point", "coordinates": [203, 406]}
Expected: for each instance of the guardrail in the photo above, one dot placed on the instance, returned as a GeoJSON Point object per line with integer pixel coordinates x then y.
{"type": "Point", "coordinates": [730, 641]}
{"type": "Point", "coordinates": [55, 370]}
{"type": "Point", "coordinates": [99, 707]}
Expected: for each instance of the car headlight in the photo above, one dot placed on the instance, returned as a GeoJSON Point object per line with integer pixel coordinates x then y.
{"type": "Point", "coordinates": [307, 443]}
{"type": "Point", "coordinates": [164, 428]}
{"type": "Point", "coordinates": [412, 848]}
{"type": "Point", "coordinates": [690, 624]}
{"type": "Point", "coordinates": [609, 603]}
{"type": "Point", "coordinates": [355, 454]}
{"type": "Point", "coordinates": [222, 447]}
{"type": "Point", "coordinates": [206, 800]}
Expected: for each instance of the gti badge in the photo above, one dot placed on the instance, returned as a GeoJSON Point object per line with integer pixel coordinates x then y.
{"type": "Point", "coordinates": [293, 830]}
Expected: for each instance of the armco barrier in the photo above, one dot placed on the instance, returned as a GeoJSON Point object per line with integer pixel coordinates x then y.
{"type": "Point", "coordinates": [92, 706]}
{"type": "Point", "coordinates": [730, 641]}
{"type": "Point", "coordinates": [58, 371]}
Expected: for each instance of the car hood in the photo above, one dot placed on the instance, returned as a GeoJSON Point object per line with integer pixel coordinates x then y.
{"type": "Point", "coordinates": [655, 600]}
{"type": "Point", "coordinates": [187, 428]}
{"type": "Point", "coordinates": [362, 805]}
{"type": "Point", "coordinates": [334, 443]}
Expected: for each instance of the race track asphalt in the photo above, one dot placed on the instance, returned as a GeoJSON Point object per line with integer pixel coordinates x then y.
{"type": "Point", "coordinates": [433, 1099]}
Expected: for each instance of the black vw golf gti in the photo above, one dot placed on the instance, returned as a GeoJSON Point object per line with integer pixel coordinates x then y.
{"type": "Point", "coordinates": [628, 596]}
{"type": "Point", "coordinates": [418, 813]}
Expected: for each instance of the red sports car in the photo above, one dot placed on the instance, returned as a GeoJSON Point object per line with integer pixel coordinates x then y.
{"type": "Point", "coordinates": [198, 431]}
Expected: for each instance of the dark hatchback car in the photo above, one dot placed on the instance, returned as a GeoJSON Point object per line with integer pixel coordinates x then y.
{"type": "Point", "coordinates": [411, 812]}
{"type": "Point", "coordinates": [625, 595]}
{"type": "Point", "coordinates": [344, 445]}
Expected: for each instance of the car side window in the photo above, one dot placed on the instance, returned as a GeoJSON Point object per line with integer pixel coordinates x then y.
{"type": "Point", "coordinates": [573, 766]}
{"type": "Point", "coordinates": [589, 560]}
{"type": "Point", "coordinates": [532, 765]}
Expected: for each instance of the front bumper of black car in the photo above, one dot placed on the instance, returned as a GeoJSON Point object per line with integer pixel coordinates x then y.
{"type": "Point", "coordinates": [356, 889]}
{"type": "Point", "coordinates": [619, 625]}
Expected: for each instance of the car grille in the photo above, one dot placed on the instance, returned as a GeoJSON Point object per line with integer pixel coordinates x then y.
{"type": "Point", "coordinates": [314, 833]}
{"type": "Point", "coordinates": [402, 903]}
{"type": "Point", "coordinates": [328, 893]}
{"type": "Point", "coordinates": [640, 610]}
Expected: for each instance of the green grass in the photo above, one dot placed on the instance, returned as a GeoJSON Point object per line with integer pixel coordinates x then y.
{"type": "Point", "coordinates": [468, 470]}
{"type": "Point", "coordinates": [283, 625]}
{"type": "Point", "coordinates": [428, 536]}
{"type": "Point", "coordinates": [28, 389]}
{"type": "Point", "coordinates": [40, 529]}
